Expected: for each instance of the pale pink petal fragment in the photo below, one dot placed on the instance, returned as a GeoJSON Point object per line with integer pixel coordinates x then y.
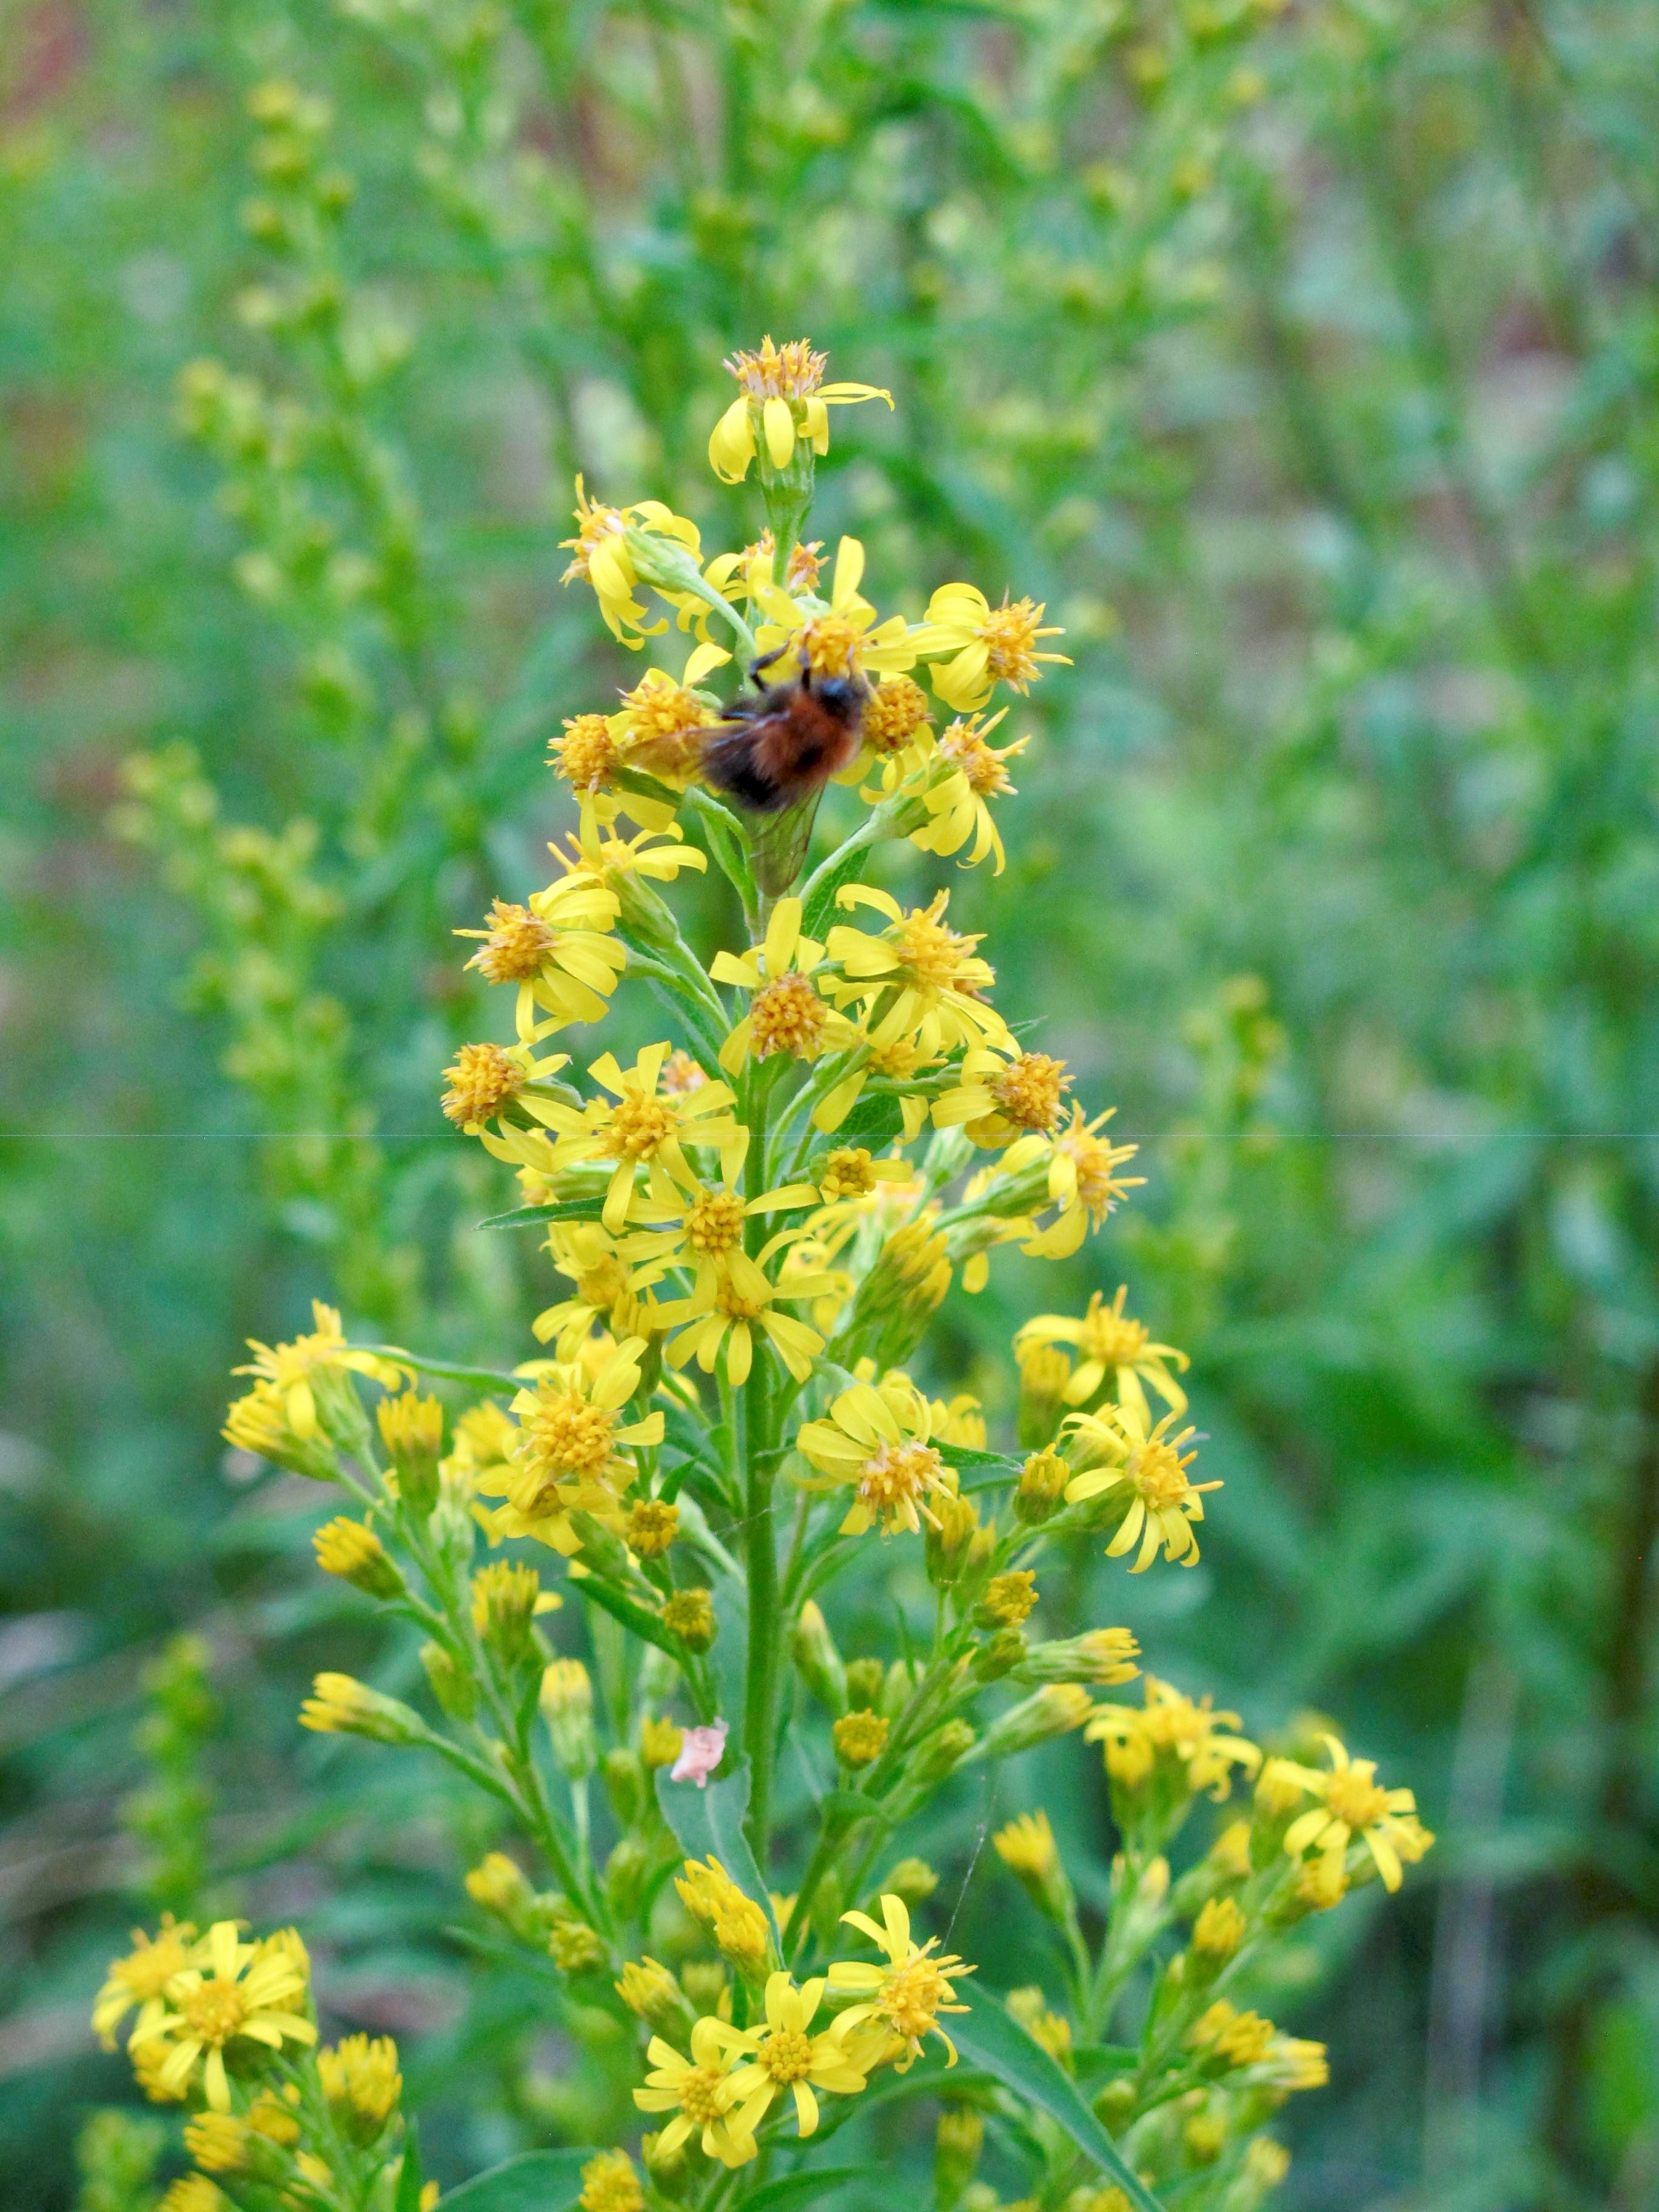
{"type": "Point", "coordinates": [699, 1754]}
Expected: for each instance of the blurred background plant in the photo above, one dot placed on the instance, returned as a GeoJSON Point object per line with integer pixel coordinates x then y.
{"type": "Point", "coordinates": [1306, 359]}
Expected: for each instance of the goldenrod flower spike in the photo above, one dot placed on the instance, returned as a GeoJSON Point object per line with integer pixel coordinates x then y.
{"type": "Point", "coordinates": [783, 397]}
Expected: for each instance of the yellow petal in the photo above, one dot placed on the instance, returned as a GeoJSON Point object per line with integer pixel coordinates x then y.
{"type": "Point", "coordinates": [779, 426]}
{"type": "Point", "coordinates": [732, 444]}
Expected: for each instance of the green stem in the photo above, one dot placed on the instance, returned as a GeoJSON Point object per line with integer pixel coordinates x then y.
{"type": "Point", "coordinates": [761, 1687]}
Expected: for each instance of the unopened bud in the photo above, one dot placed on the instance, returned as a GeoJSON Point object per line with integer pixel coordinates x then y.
{"type": "Point", "coordinates": [947, 1538]}
{"type": "Point", "coordinates": [819, 1661]}
{"type": "Point", "coordinates": [913, 1882]}
{"type": "Point", "coordinates": [1042, 1482]}
{"type": "Point", "coordinates": [956, 2152]}
{"type": "Point", "coordinates": [574, 1947]}
{"type": "Point", "coordinates": [866, 1680]}
{"type": "Point", "coordinates": [567, 1702]}
{"type": "Point", "coordinates": [340, 1705]}
{"type": "Point", "coordinates": [860, 1738]}
{"type": "Point", "coordinates": [624, 1877]}
{"type": "Point", "coordinates": [1054, 1710]}
{"type": "Point", "coordinates": [1027, 1848]}
{"type": "Point", "coordinates": [1000, 1655]}
{"type": "Point", "coordinates": [1008, 1600]}
{"type": "Point", "coordinates": [1103, 1656]}
{"type": "Point", "coordinates": [941, 1754]}
{"type": "Point", "coordinates": [452, 1686]}
{"type": "Point", "coordinates": [899, 1685]}
{"type": "Point", "coordinates": [624, 1781]}
{"type": "Point", "coordinates": [1044, 1372]}
{"type": "Point", "coordinates": [412, 1430]}
{"type": "Point", "coordinates": [354, 1552]}
{"type": "Point", "coordinates": [504, 1598]}
{"type": "Point", "coordinates": [651, 1994]}
{"type": "Point", "coordinates": [689, 1614]}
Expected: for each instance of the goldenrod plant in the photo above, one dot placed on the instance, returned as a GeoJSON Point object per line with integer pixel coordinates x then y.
{"type": "Point", "coordinates": [714, 1421]}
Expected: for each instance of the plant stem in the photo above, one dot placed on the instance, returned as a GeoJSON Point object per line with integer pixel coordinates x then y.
{"type": "Point", "coordinates": [760, 1687]}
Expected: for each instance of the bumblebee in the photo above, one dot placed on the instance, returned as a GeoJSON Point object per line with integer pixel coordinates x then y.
{"type": "Point", "coordinates": [781, 747]}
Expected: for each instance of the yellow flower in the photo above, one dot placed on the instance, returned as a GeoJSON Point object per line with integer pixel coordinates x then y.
{"type": "Point", "coordinates": [140, 1978]}
{"type": "Point", "coordinates": [607, 1290]}
{"type": "Point", "coordinates": [1027, 1847]}
{"type": "Point", "coordinates": [699, 2092]}
{"type": "Point", "coordinates": [876, 1441]}
{"type": "Point", "coordinates": [600, 554]}
{"type": "Point", "coordinates": [907, 1994]}
{"type": "Point", "coordinates": [1109, 1342]}
{"type": "Point", "coordinates": [1002, 1093]}
{"type": "Point", "coordinates": [1164, 1503]}
{"type": "Point", "coordinates": [361, 2080]}
{"type": "Point", "coordinates": [313, 1368]}
{"type": "Point", "coordinates": [1009, 1598]}
{"type": "Point", "coordinates": [860, 1738]}
{"type": "Point", "coordinates": [786, 1014]}
{"type": "Point", "coordinates": [217, 2141]}
{"type": "Point", "coordinates": [651, 1528]}
{"type": "Point", "coordinates": [351, 1550]}
{"type": "Point", "coordinates": [955, 777]}
{"type": "Point", "coordinates": [1083, 1181]}
{"type": "Point", "coordinates": [659, 725]}
{"type": "Point", "coordinates": [919, 981]}
{"type": "Point", "coordinates": [1244, 2041]}
{"type": "Point", "coordinates": [659, 1741]}
{"type": "Point", "coordinates": [842, 638]}
{"type": "Point", "coordinates": [782, 2055]}
{"type": "Point", "coordinates": [783, 397]}
{"type": "Point", "coordinates": [896, 711]}
{"type": "Point", "coordinates": [1189, 1741]}
{"type": "Point", "coordinates": [988, 645]}
{"type": "Point", "coordinates": [193, 2192]}
{"type": "Point", "coordinates": [558, 950]}
{"type": "Point", "coordinates": [231, 1992]}
{"type": "Point", "coordinates": [701, 1228]}
{"type": "Point", "coordinates": [645, 1125]}
{"type": "Point", "coordinates": [1351, 1803]}
{"type": "Point", "coordinates": [611, 2185]}
{"type": "Point", "coordinates": [566, 1457]}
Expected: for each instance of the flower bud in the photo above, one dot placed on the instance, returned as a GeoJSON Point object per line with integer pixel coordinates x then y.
{"type": "Point", "coordinates": [913, 1882]}
{"type": "Point", "coordinates": [1042, 1482]}
{"type": "Point", "coordinates": [412, 1430]}
{"type": "Point", "coordinates": [342, 1707]}
{"type": "Point", "coordinates": [945, 1545]}
{"type": "Point", "coordinates": [624, 1781]}
{"type": "Point", "coordinates": [499, 1886]}
{"type": "Point", "coordinates": [660, 1742]}
{"type": "Point", "coordinates": [899, 1685]}
{"type": "Point", "coordinates": [651, 1994]}
{"type": "Point", "coordinates": [956, 2152]}
{"type": "Point", "coordinates": [504, 1599]}
{"type": "Point", "coordinates": [1027, 1848]}
{"type": "Point", "coordinates": [361, 2081]}
{"type": "Point", "coordinates": [1103, 1656]}
{"type": "Point", "coordinates": [1008, 1600]}
{"type": "Point", "coordinates": [1053, 1710]}
{"type": "Point", "coordinates": [999, 1657]}
{"type": "Point", "coordinates": [860, 1738]}
{"type": "Point", "coordinates": [611, 2185]}
{"type": "Point", "coordinates": [866, 1680]}
{"type": "Point", "coordinates": [651, 1528]}
{"type": "Point", "coordinates": [941, 1754]}
{"type": "Point", "coordinates": [669, 2172]}
{"type": "Point", "coordinates": [819, 1661]}
{"type": "Point", "coordinates": [1044, 1372]}
{"type": "Point", "coordinates": [624, 1876]}
{"type": "Point", "coordinates": [351, 1550]}
{"type": "Point", "coordinates": [452, 1686]}
{"type": "Point", "coordinates": [689, 1614]}
{"type": "Point", "coordinates": [574, 1945]}
{"type": "Point", "coordinates": [567, 1702]}
{"type": "Point", "coordinates": [1217, 1932]}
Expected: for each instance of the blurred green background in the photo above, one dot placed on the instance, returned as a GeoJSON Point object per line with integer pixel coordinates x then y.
{"type": "Point", "coordinates": [1305, 359]}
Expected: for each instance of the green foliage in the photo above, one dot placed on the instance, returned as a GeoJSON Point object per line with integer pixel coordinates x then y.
{"type": "Point", "coordinates": [1307, 367]}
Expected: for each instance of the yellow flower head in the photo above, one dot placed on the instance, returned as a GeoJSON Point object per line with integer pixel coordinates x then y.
{"type": "Point", "coordinates": [611, 2185]}
{"type": "Point", "coordinates": [558, 950]}
{"type": "Point", "coordinates": [1026, 1846]}
{"type": "Point", "coordinates": [1352, 1805]}
{"type": "Point", "coordinates": [786, 1012]}
{"type": "Point", "coordinates": [304, 1378]}
{"type": "Point", "coordinates": [601, 555]}
{"type": "Point", "coordinates": [1184, 1744]}
{"type": "Point", "coordinates": [217, 2141]}
{"type": "Point", "coordinates": [1219, 1928]}
{"type": "Point", "coordinates": [919, 979]}
{"type": "Point", "coordinates": [701, 1227]}
{"type": "Point", "coordinates": [700, 2094]}
{"type": "Point", "coordinates": [986, 644]}
{"type": "Point", "coordinates": [782, 2054]}
{"type": "Point", "coordinates": [1082, 1177]}
{"type": "Point", "coordinates": [230, 1992]}
{"type": "Point", "coordinates": [906, 1995]}
{"type": "Point", "coordinates": [783, 397]}
{"type": "Point", "coordinates": [140, 1978]}
{"type": "Point", "coordinates": [875, 1441]}
{"type": "Point", "coordinates": [567, 1458]}
{"type": "Point", "coordinates": [641, 1126]}
{"type": "Point", "coordinates": [1147, 1465]}
{"type": "Point", "coordinates": [1110, 1344]}
{"type": "Point", "coordinates": [1002, 1094]}
{"type": "Point", "coordinates": [953, 778]}
{"type": "Point", "coordinates": [897, 709]}
{"type": "Point", "coordinates": [607, 1290]}
{"type": "Point", "coordinates": [361, 2081]}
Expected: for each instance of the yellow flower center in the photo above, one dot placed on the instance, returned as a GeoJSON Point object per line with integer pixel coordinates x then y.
{"type": "Point", "coordinates": [912, 1996]}
{"type": "Point", "coordinates": [805, 560]}
{"type": "Point", "coordinates": [831, 646]}
{"type": "Point", "coordinates": [481, 1081]}
{"type": "Point", "coordinates": [897, 1059]}
{"type": "Point", "coordinates": [605, 1285]}
{"type": "Point", "coordinates": [215, 2011]}
{"type": "Point", "coordinates": [587, 754]}
{"type": "Point", "coordinates": [1029, 1093]}
{"type": "Point", "coordinates": [147, 1973]}
{"type": "Point", "coordinates": [897, 1476]}
{"type": "Point", "coordinates": [702, 2094]}
{"type": "Point", "coordinates": [658, 708]}
{"type": "Point", "coordinates": [1355, 1798]}
{"type": "Point", "coordinates": [930, 949]}
{"type": "Point", "coordinates": [787, 1016]}
{"type": "Point", "coordinates": [565, 1431]}
{"type": "Point", "coordinates": [787, 2055]}
{"type": "Point", "coordinates": [736, 1305]}
{"type": "Point", "coordinates": [791, 371]}
{"type": "Point", "coordinates": [847, 1173]}
{"type": "Point", "coordinates": [593, 523]}
{"type": "Point", "coordinates": [895, 712]}
{"type": "Point", "coordinates": [714, 1222]}
{"type": "Point", "coordinates": [1009, 635]}
{"type": "Point", "coordinates": [983, 766]}
{"type": "Point", "coordinates": [1097, 1187]}
{"type": "Point", "coordinates": [637, 1125]}
{"type": "Point", "coordinates": [517, 946]}
{"type": "Point", "coordinates": [1110, 1337]}
{"type": "Point", "coordinates": [1157, 1474]}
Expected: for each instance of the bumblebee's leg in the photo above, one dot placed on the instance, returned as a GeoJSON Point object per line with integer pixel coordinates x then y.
{"type": "Point", "coordinates": [765, 661]}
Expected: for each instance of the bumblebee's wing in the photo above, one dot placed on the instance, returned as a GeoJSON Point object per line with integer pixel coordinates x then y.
{"type": "Point", "coordinates": [778, 842]}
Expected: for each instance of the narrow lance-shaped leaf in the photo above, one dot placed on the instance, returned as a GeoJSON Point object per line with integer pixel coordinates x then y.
{"type": "Point", "coordinates": [538, 2181]}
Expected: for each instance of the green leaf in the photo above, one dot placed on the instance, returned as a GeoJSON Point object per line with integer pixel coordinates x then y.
{"type": "Point", "coordinates": [538, 2181]}
{"type": "Point", "coordinates": [566, 1209]}
{"type": "Point", "coordinates": [821, 909]}
{"type": "Point", "coordinates": [990, 2038]}
{"type": "Point", "coordinates": [966, 1456]}
{"type": "Point", "coordinates": [790, 2188]}
{"type": "Point", "coordinates": [408, 2174]}
{"type": "Point", "coordinates": [710, 1821]}
{"type": "Point", "coordinates": [445, 1371]}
